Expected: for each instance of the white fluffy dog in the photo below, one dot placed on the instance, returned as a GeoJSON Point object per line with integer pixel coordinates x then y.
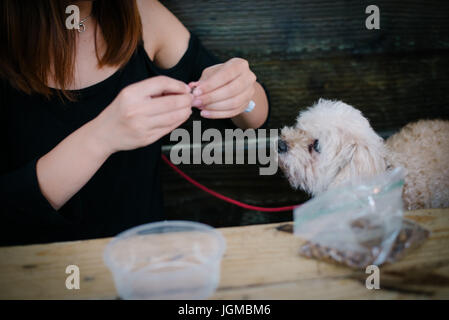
{"type": "Point", "coordinates": [332, 143]}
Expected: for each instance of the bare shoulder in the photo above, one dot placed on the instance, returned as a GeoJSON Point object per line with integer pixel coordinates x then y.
{"type": "Point", "coordinates": [165, 37]}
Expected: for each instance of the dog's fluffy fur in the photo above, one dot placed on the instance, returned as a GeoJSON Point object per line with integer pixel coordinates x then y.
{"type": "Point", "coordinates": [348, 149]}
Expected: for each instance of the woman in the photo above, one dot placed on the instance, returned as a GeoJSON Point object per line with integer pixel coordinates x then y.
{"type": "Point", "coordinates": [83, 113]}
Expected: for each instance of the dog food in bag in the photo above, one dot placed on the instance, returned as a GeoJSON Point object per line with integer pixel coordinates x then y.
{"type": "Point", "coordinates": [358, 224]}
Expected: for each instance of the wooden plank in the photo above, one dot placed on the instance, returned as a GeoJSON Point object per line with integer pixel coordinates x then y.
{"type": "Point", "coordinates": [305, 50]}
{"type": "Point", "coordinates": [38, 271]}
{"type": "Point", "coordinates": [291, 276]}
{"type": "Point", "coordinates": [320, 28]}
{"type": "Point", "coordinates": [260, 262]}
{"type": "Point", "coordinates": [329, 288]}
{"type": "Point", "coordinates": [390, 90]}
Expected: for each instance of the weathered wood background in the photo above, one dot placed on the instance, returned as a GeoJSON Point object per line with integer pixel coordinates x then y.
{"type": "Point", "coordinates": [303, 50]}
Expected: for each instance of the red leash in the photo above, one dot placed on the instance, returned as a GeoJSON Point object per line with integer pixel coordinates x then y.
{"type": "Point", "coordinates": [222, 197]}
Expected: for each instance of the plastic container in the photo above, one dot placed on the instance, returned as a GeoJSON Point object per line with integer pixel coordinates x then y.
{"type": "Point", "coordinates": [166, 260]}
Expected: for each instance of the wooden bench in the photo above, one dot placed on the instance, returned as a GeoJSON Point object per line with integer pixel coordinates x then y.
{"type": "Point", "coordinates": [260, 262]}
{"type": "Point", "coordinates": [303, 50]}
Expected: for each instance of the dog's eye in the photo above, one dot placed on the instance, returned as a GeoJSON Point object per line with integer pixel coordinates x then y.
{"type": "Point", "coordinates": [314, 146]}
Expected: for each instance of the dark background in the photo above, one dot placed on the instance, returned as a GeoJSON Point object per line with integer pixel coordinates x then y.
{"type": "Point", "coordinates": [303, 50]}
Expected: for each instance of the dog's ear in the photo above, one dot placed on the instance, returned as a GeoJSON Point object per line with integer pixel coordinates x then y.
{"type": "Point", "coordinates": [358, 160]}
{"type": "Point", "coordinates": [344, 156]}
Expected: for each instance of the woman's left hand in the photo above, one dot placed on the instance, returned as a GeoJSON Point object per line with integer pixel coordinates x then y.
{"type": "Point", "coordinates": [224, 90]}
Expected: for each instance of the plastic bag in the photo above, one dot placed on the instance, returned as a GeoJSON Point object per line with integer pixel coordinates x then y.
{"type": "Point", "coordinates": [358, 224]}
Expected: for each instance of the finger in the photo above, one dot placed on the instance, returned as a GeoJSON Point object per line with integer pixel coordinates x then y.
{"type": "Point", "coordinates": [157, 86]}
{"type": "Point", "coordinates": [233, 88]}
{"type": "Point", "coordinates": [161, 131]}
{"type": "Point", "coordinates": [233, 102]}
{"type": "Point", "coordinates": [170, 119]}
{"type": "Point", "coordinates": [220, 114]}
{"type": "Point", "coordinates": [173, 127]}
{"type": "Point", "coordinates": [221, 77]}
{"type": "Point", "coordinates": [170, 103]}
{"type": "Point", "coordinates": [208, 72]}
{"type": "Point", "coordinates": [193, 84]}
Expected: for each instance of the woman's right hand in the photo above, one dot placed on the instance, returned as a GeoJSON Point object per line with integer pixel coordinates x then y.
{"type": "Point", "coordinates": [142, 113]}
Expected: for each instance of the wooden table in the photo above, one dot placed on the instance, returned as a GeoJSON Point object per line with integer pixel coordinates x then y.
{"type": "Point", "coordinates": [260, 263]}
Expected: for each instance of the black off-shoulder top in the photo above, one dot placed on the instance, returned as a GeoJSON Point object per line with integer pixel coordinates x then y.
{"type": "Point", "coordinates": [124, 192]}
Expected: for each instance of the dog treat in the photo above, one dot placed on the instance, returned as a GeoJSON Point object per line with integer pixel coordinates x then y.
{"type": "Point", "coordinates": [193, 87]}
{"type": "Point", "coordinates": [411, 236]}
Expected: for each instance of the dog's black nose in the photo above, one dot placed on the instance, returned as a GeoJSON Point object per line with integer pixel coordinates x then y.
{"type": "Point", "coordinates": [282, 146]}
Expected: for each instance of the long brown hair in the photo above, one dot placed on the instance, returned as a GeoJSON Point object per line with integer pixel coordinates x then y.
{"type": "Point", "coordinates": [35, 41]}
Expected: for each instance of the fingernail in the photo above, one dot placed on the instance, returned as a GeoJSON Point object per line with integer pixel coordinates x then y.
{"type": "Point", "coordinates": [205, 113]}
{"type": "Point", "coordinates": [197, 102]}
{"type": "Point", "coordinates": [191, 87]}
{"type": "Point", "coordinates": [188, 89]}
{"type": "Point", "coordinates": [197, 92]}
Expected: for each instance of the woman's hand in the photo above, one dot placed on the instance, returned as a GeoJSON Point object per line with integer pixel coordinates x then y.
{"type": "Point", "coordinates": [142, 113]}
{"type": "Point", "coordinates": [224, 90]}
